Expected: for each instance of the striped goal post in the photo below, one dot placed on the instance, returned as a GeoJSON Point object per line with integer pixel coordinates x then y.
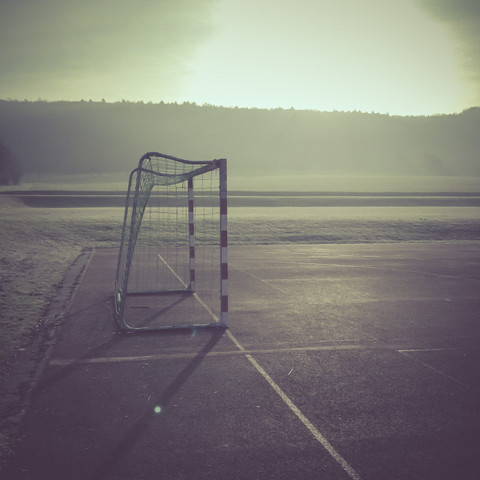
{"type": "Point", "coordinates": [172, 269]}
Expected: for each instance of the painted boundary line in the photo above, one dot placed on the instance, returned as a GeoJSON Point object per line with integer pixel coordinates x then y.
{"type": "Point", "coordinates": [195, 294]}
{"type": "Point", "coordinates": [306, 422]}
{"type": "Point", "coordinates": [408, 354]}
{"type": "Point", "coordinates": [298, 413]}
{"type": "Point", "coordinates": [63, 362]}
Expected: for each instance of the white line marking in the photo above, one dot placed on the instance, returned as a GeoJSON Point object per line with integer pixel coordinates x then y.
{"type": "Point", "coordinates": [389, 269]}
{"type": "Point", "coordinates": [175, 274]}
{"type": "Point", "coordinates": [266, 282]}
{"type": "Point", "coordinates": [311, 428]}
{"type": "Point", "coordinates": [228, 353]}
{"type": "Point", "coordinates": [445, 349]}
{"type": "Point", "coordinates": [233, 353]}
{"type": "Point", "coordinates": [195, 295]}
{"type": "Point", "coordinates": [306, 422]}
{"type": "Point", "coordinates": [406, 353]}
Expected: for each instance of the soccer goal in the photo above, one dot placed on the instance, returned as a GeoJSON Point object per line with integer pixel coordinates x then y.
{"type": "Point", "coordinates": [172, 269]}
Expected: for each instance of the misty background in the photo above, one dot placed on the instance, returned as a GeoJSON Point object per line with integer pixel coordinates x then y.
{"type": "Point", "coordinates": [99, 137]}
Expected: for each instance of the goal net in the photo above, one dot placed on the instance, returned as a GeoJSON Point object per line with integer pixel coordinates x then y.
{"type": "Point", "coordinates": [172, 269]}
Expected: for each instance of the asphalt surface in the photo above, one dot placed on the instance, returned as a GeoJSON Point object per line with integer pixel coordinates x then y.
{"type": "Point", "coordinates": [341, 362]}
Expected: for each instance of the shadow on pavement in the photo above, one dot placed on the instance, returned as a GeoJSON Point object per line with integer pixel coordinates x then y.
{"type": "Point", "coordinates": [164, 398]}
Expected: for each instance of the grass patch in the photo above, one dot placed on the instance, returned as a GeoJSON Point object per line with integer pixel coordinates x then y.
{"type": "Point", "coordinates": [38, 246]}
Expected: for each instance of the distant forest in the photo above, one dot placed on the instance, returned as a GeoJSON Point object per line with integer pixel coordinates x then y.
{"type": "Point", "coordinates": [99, 137]}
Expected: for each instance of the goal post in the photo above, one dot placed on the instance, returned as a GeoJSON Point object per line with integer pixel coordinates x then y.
{"type": "Point", "coordinates": [172, 269]}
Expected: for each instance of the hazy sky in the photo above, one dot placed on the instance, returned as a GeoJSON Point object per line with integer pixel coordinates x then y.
{"type": "Point", "coordinates": [403, 57]}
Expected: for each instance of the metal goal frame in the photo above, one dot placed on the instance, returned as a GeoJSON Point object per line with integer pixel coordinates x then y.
{"type": "Point", "coordinates": [142, 180]}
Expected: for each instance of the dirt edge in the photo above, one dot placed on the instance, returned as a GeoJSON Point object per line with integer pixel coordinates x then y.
{"type": "Point", "coordinates": [19, 383]}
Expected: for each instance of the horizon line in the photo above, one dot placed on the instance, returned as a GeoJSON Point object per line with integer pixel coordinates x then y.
{"type": "Point", "coordinates": [210, 105]}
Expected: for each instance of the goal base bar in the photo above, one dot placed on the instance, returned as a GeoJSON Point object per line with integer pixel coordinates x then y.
{"type": "Point", "coordinates": [216, 325]}
{"type": "Point", "coordinates": [148, 293]}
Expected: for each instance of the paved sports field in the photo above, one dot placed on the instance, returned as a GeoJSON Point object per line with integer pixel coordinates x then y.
{"type": "Point", "coordinates": [341, 362]}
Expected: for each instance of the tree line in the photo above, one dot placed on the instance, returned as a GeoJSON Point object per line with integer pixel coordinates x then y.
{"type": "Point", "coordinates": [10, 168]}
{"type": "Point", "coordinates": [99, 137]}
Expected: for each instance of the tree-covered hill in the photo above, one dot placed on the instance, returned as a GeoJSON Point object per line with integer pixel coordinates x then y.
{"type": "Point", "coordinates": [97, 137]}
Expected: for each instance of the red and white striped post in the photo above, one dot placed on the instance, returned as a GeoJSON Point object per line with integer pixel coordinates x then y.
{"type": "Point", "coordinates": [191, 235]}
{"type": "Point", "coordinates": [223, 244]}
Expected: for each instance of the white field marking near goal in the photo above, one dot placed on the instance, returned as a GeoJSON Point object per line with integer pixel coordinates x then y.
{"type": "Point", "coordinates": [407, 353]}
{"type": "Point", "coordinates": [286, 399]}
{"type": "Point", "coordinates": [65, 362]}
{"type": "Point", "coordinates": [389, 269]}
{"type": "Point", "coordinates": [195, 295]}
{"type": "Point", "coordinates": [306, 422]}
{"type": "Point", "coordinates": [266, 282]}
